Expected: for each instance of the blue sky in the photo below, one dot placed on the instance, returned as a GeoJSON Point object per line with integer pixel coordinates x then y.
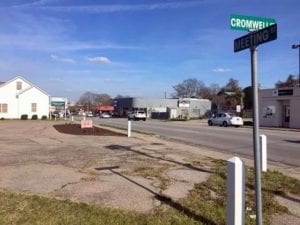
{"type": "Point", "coordinates": [139, 48]}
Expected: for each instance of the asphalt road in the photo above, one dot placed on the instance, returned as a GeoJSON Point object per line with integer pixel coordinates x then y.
{"type": "Point", "coordinates": [283, 145]}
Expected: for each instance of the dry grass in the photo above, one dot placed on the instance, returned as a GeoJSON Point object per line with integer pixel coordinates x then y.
{"type": "Point", "coordinates": [154, 173]}
{"type": "Point", "coordinates": [205, 204]}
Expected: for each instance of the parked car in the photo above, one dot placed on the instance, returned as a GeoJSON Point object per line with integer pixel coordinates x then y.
{"type": "Point", "coordinates": [89, 114]}
{"type": "Point", "coordinates": [115, 114]}
{"type": "Point", "coordinates": [225, 119]}
{"type": "Point", "coordinates": [59, 114]}
{"type": "Point", "coordinates": [137, 115]}
{"type": "Point", "coordinates": [105, 115]}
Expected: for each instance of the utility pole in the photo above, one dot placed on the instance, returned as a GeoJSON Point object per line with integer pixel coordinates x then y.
{"type": "Point", "coordinates": [295, 47]}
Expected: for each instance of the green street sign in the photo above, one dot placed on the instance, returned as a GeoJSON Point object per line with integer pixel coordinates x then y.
{"type": "Point", "coordinates": [57, 103]}
{"type": "Point", "coordinates": [249, 23]}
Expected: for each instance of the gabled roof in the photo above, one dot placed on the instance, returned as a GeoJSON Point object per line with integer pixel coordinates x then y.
{"type": "Point", "coordinates": [22, 78]}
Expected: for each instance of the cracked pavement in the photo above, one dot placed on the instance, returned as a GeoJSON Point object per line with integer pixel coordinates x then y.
{"type": "Point", "coordinates": [106, 170]}
{"type": "Point", "coordinates": [35, 158]}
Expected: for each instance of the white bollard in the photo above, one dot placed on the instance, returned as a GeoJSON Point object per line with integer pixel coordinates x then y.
{"type": "Point", "coordinates": [129, 128]}
{"type": "Point", "coordinates": [235, 191]}
{"type": "Point", "coordinates": [72, 117]}
{"type": "Point", "coordinates": [263, 149]}
{"type": "Point", "coordinates": [84, 118]}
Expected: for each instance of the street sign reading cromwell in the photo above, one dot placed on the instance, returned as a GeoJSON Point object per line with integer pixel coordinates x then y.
{"type": "Point", "coordinates": [57, 103]}
{"type": "Point", "coordinates": [255, 38]}
{"type": "Point", "coordinates": [249, 23]}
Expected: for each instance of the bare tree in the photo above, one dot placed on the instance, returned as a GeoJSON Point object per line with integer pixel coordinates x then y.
{"type": "Point", "coordinates": [232, 86]}
{"type": "Point", "coordinates": [209, 92]}
{"type": "Point", "coordinates": [104, 99]}
{"type": "Point", "coordinates": [122, 96]}
{"type": "Point", "coordinates": [230, 95]}
{"type": "Point", "coordinates": [188, 88]}
{"type": "Point", "coordinates": [291, 81]}
{"type": "Point", "coordinates": [90, 100]}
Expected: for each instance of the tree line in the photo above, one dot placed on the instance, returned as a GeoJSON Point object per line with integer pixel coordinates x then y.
{"type": "Point", "coordinates": [227, 96]}
{"type": "Point", "coordinates": [90, 100]}
{"type": "Point", "coordinates": [224, 97]}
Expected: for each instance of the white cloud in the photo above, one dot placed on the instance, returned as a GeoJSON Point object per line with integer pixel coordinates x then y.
{"type": "Point", "coordinates": [63, 60]}
{"type": "Point", "coordinates": [221, 70]}
{"type": "Point", "coordinates": [37, 43]}
{"type": "Point", "coordinates": [99, 59]}
{"type": "Point", "coordinates": [74, 46]}
{"type": "Point", "coordinates": [110, 8]}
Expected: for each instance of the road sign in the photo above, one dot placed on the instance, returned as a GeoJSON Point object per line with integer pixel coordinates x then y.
{"type": "Point", "coordinates": [252, 40]}
{"type": "Point", "coordinates": [256, 38]}
{"type": "Point", "coordinates": [56, 103]}
{"type": "Point", "coordinates": [250, 23]}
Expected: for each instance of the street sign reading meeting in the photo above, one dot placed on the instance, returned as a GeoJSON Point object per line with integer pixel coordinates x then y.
{"type": "Point", "coordinates": [250, 23]}
{"type": "Point", "coordinates": [255, 38]}
{"type": "Point", "coordinates": [263, 32]}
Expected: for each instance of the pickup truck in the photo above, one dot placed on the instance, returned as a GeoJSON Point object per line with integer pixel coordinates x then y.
{"type": "Point", "coordinates": [138, 115]}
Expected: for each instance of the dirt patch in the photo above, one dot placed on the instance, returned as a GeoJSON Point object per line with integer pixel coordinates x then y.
{"type": "Point", "coordinates": [75, 129]}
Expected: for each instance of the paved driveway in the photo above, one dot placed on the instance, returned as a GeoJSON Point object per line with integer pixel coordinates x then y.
{"type": "Point", "coordinates": [35, 158]}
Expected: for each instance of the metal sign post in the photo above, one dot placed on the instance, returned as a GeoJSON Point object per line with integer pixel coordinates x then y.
{"type": "Point", "coordinates": [251, 41]}
{"type": "Point", "coordinates": [257, 157]}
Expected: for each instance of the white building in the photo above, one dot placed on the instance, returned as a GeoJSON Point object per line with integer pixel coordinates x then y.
{"type": "Point", "coordinates": [164, 108]}
{"type": "Point", "coordinates": [18, 96]}
{"type": "Point", "coordinates": [280, 107]}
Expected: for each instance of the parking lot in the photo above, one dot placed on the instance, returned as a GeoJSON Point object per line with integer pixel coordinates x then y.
{"type": "Point", "coordinates": [138, 173]}
{"type": "Point", "coordinates": [110, 171]}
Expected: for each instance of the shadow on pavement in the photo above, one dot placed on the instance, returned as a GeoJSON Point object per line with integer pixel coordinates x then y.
{"type": "Point", "coordinates": [164, 199]}
{"type": "Point", "coordinates": [187, 165]}
{"type": "Point", "coordinates": [293, 141]}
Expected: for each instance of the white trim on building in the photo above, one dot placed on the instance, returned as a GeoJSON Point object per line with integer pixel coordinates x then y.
{"type": "Point", "coordinates": [18, 96]}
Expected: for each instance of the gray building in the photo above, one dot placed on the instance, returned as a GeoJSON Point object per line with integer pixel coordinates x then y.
{"type": "Point", "coordinates": [164, 108]}
{"type": "Point", "coordinates": [280, 107]}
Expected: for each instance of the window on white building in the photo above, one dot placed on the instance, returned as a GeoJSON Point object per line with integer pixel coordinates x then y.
{"type": "Point", "coordinates": [3, 108]}
{"type": "Point", "coordinates": [19, 85]}
{"type": "Point", "coordinates": [33, 107]}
